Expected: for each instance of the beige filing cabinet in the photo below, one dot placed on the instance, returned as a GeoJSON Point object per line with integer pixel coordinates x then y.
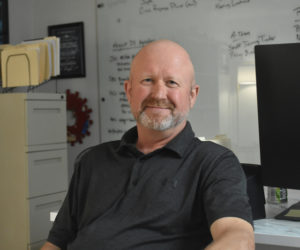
{"type": "Point", "coordinates": [33, 166]}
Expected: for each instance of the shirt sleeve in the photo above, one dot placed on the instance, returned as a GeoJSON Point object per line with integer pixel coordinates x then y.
{"type": "Point", "coordinates": [224, 189]}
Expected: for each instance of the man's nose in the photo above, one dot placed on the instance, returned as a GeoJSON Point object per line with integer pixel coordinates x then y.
{"type": "Point", "coordinates": [159, 90]}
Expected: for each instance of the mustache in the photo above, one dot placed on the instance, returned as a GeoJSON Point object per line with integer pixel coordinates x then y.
{"type": "Point", "coordinates": [161, 103]}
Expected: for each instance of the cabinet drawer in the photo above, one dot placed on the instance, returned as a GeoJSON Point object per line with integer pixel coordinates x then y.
{"type": "Point", "coordinates": [39, 212]}
{"type": "Point", "coordinates": [47, 172]}
{"type": "Point", "coordinates": [46, 121]}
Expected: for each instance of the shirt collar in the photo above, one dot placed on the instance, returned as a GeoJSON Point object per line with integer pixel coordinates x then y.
{"type": "Point", "coordinates": [178, 144]}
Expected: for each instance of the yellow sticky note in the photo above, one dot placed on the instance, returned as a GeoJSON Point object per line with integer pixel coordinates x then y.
{"type": "Point", "coordinates": [293, 213]}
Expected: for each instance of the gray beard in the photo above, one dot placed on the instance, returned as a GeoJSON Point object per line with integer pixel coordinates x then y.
{"type": "Point", "coordinates": [169, 122]}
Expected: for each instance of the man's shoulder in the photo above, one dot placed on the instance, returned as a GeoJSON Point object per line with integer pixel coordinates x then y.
{"type": "Point", "coordinates": [211, 153]}
{"type": "Point", "coordinates": [98, 150]}
{"type": "Point", "coordinates": [210, 147]}
{"type": "Point", "coordinates": [110, 145]}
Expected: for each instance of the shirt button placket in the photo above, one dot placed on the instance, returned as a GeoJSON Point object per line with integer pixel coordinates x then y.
{"type": "Point", "coordinates": [135, 173]}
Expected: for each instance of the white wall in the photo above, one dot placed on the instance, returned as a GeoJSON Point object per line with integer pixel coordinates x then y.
{"type": "Point", "coordinates": [29, 19]}
{"type": "Point", "coordinates": [20, 20]}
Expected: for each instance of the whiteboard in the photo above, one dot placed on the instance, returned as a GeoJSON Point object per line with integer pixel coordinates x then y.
{"type": "Point", "coordinates": [220, 36]}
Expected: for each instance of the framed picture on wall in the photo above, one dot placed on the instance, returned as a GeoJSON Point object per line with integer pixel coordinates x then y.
{"type": "Point", "coordinates": [4, 38]}
{"type": "Point", "coordinates": [72, 55]}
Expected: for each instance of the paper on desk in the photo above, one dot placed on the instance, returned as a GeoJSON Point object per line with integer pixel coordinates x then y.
{"type": "Point", "coordinates": [53, 216]}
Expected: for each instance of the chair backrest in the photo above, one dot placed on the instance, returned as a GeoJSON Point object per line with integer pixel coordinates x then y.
{"type": "Point", "coordinates": [255, 190]}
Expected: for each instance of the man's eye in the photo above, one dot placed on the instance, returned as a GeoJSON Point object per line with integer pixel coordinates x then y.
{"type": "Point", "coordinates": [147, 80]}
{"type": "Point", "coordinates": [172, 83]}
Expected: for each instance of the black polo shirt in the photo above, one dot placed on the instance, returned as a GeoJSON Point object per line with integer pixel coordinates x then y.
{"type": "Point", "coordinates": [120, 198]}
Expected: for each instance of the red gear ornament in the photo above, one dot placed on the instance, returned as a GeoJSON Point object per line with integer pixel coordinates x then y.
{"type": "Point", "coordinates": [81, 113]}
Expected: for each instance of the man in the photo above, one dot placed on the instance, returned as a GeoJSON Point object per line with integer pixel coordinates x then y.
{"type": "Point", "coordinates": [159, 187]}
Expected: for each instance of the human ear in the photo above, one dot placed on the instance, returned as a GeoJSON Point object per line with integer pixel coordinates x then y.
{"type": "Point", "coordinates": [193, 95]}
{"type": "Point", "coordinates": [127, 88]}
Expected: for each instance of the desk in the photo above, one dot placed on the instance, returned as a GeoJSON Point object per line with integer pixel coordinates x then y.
{"type": "Point", "coordinates": [271, 231]}
{"type": "Point", "coordinates": [277, 232]}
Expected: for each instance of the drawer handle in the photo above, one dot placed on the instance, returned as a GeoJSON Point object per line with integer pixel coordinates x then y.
{"type": "Point", "coordinates": [47, 161]}
{"type": "Point", "coordinates": [50, 204]}
{"type": "Point", "coordinates": [47, 110]}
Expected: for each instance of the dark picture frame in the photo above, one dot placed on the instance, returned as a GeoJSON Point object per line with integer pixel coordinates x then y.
{"type": "Point", "coordinates": [72, 55]}
{"type": "Point", "coordinates": [4, 34]}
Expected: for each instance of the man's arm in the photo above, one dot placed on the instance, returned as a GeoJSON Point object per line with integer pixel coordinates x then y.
{"type": "Point", "coordinates": [49, 246]}
{"type": "Point", "coordinates": [231, 233]}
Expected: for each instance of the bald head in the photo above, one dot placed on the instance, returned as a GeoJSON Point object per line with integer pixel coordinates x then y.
{"type": "Point", "coordinates": [163, 46]}
{"type": "Point", "coordinates": [166, 49]}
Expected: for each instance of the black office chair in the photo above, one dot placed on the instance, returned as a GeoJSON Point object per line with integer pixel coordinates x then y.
{"type": "Point", "coordinates": [255, 190]}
